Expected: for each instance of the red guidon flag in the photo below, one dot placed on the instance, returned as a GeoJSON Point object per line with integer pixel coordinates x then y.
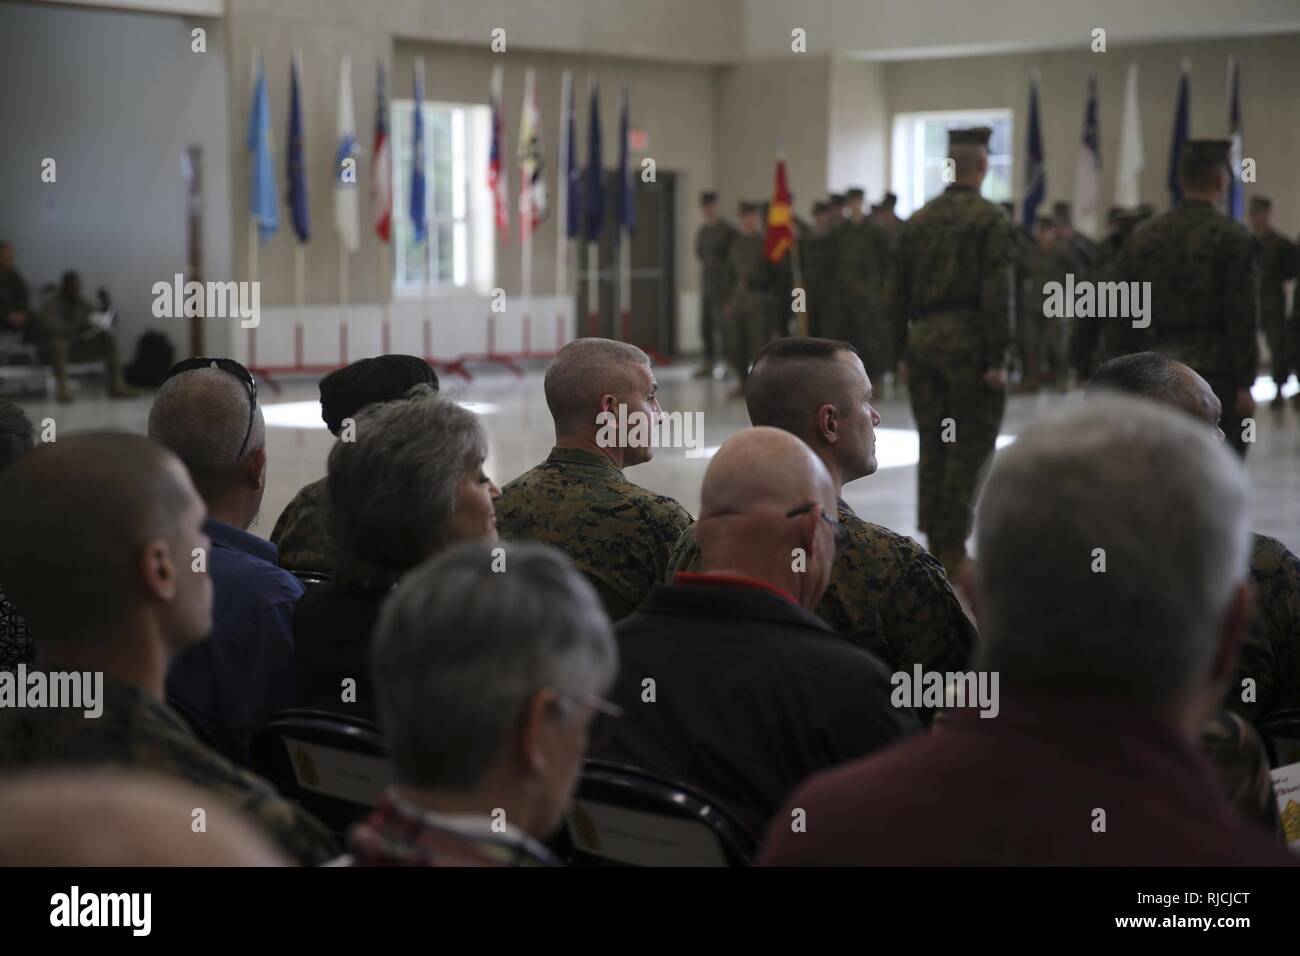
{"type": "Point", "coordinates": [780, 229]}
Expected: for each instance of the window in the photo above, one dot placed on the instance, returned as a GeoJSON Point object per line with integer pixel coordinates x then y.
{"type": "Point", "coordinates": [458, 252]}
{"type": "Point", "coordinates": [920, 146]}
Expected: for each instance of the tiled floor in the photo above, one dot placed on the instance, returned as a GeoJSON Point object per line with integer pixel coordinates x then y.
{"type": "Point", "coordinates": [519, 429]}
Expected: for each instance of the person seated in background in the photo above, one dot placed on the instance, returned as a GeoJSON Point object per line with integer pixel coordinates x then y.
{"type": "Point", "coordinates": [15, 301]}
{"type": "Point", "coordinates": [409, 485]}
{"type": "Point", "coordinates": [65, 332]}
{"type": "Point", "coordinates": [617, 533]}
{"type": "Point", "coordinates": [887, 594]}
{"type": "Point", "coordinates": [16, 439]}
{"type": "Point", "coordinates": [488, 683]}
{"type": "Point", "coordinates": [752, 691]}
{"type": "Point", "coordinates": [1107, 672]}
{"type": "Point", "coordinates": [206, 412]}
{"type": "Point", "coordinates": [302, 532]}
{"type": "Point", "coordinates": [80, 818]}
{"type": "Point", "coordinates": [1270, 656]}
{"type": "Point", "coordinates": [109, 525]}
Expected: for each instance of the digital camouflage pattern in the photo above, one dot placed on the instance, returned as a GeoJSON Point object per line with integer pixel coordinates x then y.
{"type": "Point", "coordinates": [949, 296]}
{"type": "Point", "coordinates": [1279, 260]}
{"type": "Point", "coordinates": [744, 321]}
{"type": "Point", "coordinates": [1241, 764]}
{"type": "Point", "coordinates": [1204, 273]}
{"type": "Point", "coordinates": [886, 594]}
{"type": "Point", "coordinates": [302, 532]}
{"type": "Point", "coordinates": [711, 243]}
{"type": "Point", "coordinates": [817, 260]}
{"type": "Point", "coordinates": [616, 533]}
{"type": "Point", "coordinates": [1270, 655]}
{"type": "Point", "coordinates": [136, 731]}
{"type": "Point", "coordinates": [861, 252]}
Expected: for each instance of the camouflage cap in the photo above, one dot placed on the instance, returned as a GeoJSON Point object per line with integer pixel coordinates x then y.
{"type": "Point", "coordinates": [1061, 212]}
{"type": "Point", "coordinates": [888, 201]}
{"type": "Point", "coordinates": [1260, 204]}
{"type": "Point", "coordinates": [820, 207]}
{"type": "Point", "coordinates": [708, 197]}
{"type": "Point", "coordinates": [837, 199]}
{"type": "Point", "coordinates": [857, 192]}
{"type": "Point", "coordinates": [970, 136]}
{"type": "Point", "coordinates": [747, 206]}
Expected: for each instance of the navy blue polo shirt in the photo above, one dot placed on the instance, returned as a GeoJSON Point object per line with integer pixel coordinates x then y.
{"type": "Point", "coordinates": [230, 684]}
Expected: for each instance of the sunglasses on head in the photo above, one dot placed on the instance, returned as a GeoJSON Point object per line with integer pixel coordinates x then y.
{"type": "Point", "coordinates": [233, 368]}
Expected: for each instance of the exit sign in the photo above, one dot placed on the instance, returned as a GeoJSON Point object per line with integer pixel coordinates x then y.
{"type": "Point", "coordinates": [638, 140]}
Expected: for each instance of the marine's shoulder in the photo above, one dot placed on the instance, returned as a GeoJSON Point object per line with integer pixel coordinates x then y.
{"type": "Point", "coordinates": [1269, 556]}
{"type": "Point", "coordinates": [878, 541]}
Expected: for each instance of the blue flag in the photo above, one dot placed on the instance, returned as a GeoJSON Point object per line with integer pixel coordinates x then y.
{"type": "Point", "coordinates": [1181, 122]}
{"type": "Point", "coordinates": [571, 224]}
{"type": "Point", "coordinates": [626, 198]}
{"type": "Point", "coordinates": [1236, 195]}
{"type": "Point", "coordinates": [1035, 171]}
{"type": "Point", "coordinates": [264, 201]}
{"type": "Point", "coordinates": [593, 200]}
{"type": "Point", "coordinates": [296, 169]}
{"type": "Point", "coordinates": [416, 207]}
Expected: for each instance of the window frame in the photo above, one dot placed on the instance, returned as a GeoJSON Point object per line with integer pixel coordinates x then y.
{"type": "Point", "coordinates": [907, 151]}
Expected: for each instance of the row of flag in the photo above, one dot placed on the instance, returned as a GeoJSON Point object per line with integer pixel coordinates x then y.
{"type": "Point", "coordinates": [1132, 158]}
{"type": "Point", "coordinates": [585, 196]}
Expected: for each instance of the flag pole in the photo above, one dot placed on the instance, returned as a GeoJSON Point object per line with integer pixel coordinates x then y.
{"type": "Point", "coordinates": [593, 253]}
{"type": "Point", "coordinates": [299, 251]}
{"type": "Point", "coordinates": [253, 239]}
{"type": "Point", "coordinates": [424, 282]}
{"type": "Point", "coordinates": [562, 201]}
{"type": "Point", "coordinates": [526, 229]}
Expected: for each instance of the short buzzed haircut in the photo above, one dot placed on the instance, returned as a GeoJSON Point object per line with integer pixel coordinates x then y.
{"type": "Point", "coordinates": [582, 372]}
{"type": "Point", "coordinates": [202, 416]}
{"type": "Point", "coordinates": [1111, 538]}
{"type": "Point", "coordinates": [791, 378]}
{"type": "Point", "coordinates": [16, 434]}
{"type": "Point", "coordinates": [1148, 375]}
{"type": "Point", "coordinates": [461, 648]}
{"type": "Point", "coordinates": [81, 509]}
{"type": "Point", "coordinates": [967, 157]}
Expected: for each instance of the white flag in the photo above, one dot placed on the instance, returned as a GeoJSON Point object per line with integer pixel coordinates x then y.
{"type": "Point", "coordinates": [1087, 171]}
{"type": "Point", "coordinates": [347, 219]}
{"type": "Point", "coordinates": [1131, 157]}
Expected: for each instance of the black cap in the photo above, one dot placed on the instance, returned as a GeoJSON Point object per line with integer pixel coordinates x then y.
{"type": "Point", "coordinates": [857, 192]}
{"type": "Point", "coordinates": [1061, 212]}
{"type": "Point", "coordinates": [971, 136]}
{"type": "Point", "coordinates": [837, 199]}
{"type": "Point", "coordinates": [888, 201]}
{"type": "Point", "coordinates": [1042, 222]}
{"type": "Point", "coordinates": [708, 197]}
{"type": "Point", "coordinates": [1260, 204]}
{"type": "Point", "coordinates": [820, 207]}
{"type": "Point", "coordinates": [746, 206]}
{"type": "Point", "coordinates": [386, 378]}
{"type": "Point", "coordinates": [1207, 151]}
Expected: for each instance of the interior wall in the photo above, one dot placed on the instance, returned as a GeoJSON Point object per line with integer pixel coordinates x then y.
{"type": "Point", "coordinates": [113, 98]}
{"type": "Point", "coordinates": [1270, 77]}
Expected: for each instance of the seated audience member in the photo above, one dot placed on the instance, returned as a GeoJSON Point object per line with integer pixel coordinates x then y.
{"type": "Point", "coordinates": [15, 302]}
{"type": "Point", "coordinates": [206, 412]}
{"type": "Point", "coordinates": [1270, 656]}
{"type": "Point", "coordinates": [302, 533]}
{"type": "Point", "coordinates": [1106, 678]}
{"type": "Point", "coordinates": [16, 439]}
{"type": "Point", "coordinates": [80, 818]}
{"type": "Point", "coordinates": [410, 484]}
{"type": "Point", "coordinates": [64, 332]}
{"type": "Point", "coordinates": [887, 594]}
{"type": "Point", "coordinates": [488, 684]}
{"type": "Point", "coordinates": [109, 524]}
{"type": "Point", "coordinates": [617, 533]}
{"type": "Point", "coordinates": [754, 692]}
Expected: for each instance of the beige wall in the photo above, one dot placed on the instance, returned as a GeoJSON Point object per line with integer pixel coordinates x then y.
{"type": "Point", "coordinates": [1270, 76]}
{"type": "Point", "coordinates": [859, 127]}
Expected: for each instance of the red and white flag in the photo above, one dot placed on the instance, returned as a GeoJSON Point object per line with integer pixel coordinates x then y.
{"type": "Point", "coordinates": [381, 170]}
{"type": "Point", "coordinates": [496, 180]}
{"type": "Point", "coordinates": [532, 169]}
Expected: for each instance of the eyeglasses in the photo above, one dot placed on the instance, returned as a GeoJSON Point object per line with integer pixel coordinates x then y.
{"type": "Point", "coordinates": [598, 704]}
{"type": "Point", "coordinates": [235, 369]}
{"type": "Point", "coordinates": [837, 527]}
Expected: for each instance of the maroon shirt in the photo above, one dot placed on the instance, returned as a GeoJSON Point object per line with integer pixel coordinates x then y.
{"type": "Point", "coordinates": [1021, 788]}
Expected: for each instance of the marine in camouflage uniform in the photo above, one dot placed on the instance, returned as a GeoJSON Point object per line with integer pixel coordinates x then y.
{"type": "Point", "coordinates": [64, 333]}
{"type": "Point", "coordinates": [1204, 273]}
{"type": "Point", "coordinates": [302, 531]}
{"type": "Point", "coordinates": [861, 263]}
{"type": "Point", "coordinates": [1039, 265]}
{"type": "Point", "coordinates": [817, 259]}
{"type": "Point", "coordinates": [1240, 762]}
{"type": "Point", "coordinates": [137, 731]}
{"type": "Point", "coordinates": [617, 533]}
{"type": "Point", "coordinates": [748, 279]}
{"type": "Point", "coordinates": [886, 595]}
{"type": "Point", "coordinates": [711, 242]}
{"type": "Point", "coordinates": [1270, 655]}
{"type": "Point", "coordinates": [950, 298]}
{"type": "Point", "coordinates": [1279, 260]}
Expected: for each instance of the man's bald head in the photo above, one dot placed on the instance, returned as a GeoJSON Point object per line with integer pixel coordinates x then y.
{"type": "Point", "coordinates": [764, 470]}
{"type": "Point", "coordinates": [1162, 379]}
{"type": "Point", "coordinates": [97, 818]}
{"type": "Point", "coordinates": [585, 371]}
{"type": "Point", "coordinates": [82, 510]}
{"type": "Point", "coordinates": [202, 415]}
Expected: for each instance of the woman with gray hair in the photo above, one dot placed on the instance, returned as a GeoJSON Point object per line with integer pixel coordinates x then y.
{"type": "Point", "coordinates": [409, 484]}
{"type": "Point", "coordinates": [489, 664]}
{"type": "Point", "coordinates": [16, 439]}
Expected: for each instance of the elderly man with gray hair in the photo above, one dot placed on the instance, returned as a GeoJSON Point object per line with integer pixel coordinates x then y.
{"type": "Point", "coordinates": [490, 665]}
{"type": "Point", "coordinates": [207, 413]}
{"type": "Point", "coordinates": [617, 533]}
{"type": "Point", "coordinates": [1113, 599]}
